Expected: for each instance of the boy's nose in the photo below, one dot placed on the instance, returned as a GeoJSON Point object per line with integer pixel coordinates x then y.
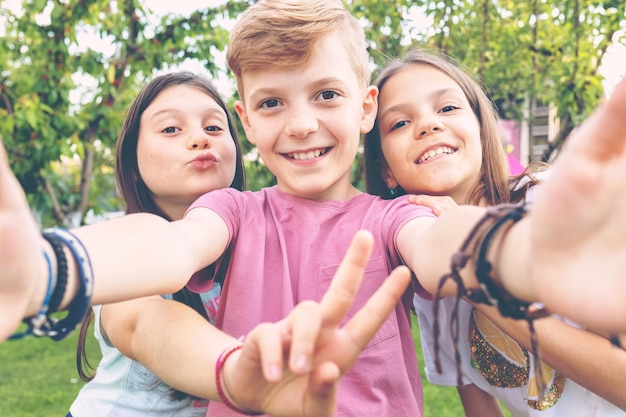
{"type": "Point", "coordinates": [302, 124]}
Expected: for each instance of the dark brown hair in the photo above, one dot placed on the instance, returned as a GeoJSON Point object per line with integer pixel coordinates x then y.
{"type": "Point", "coordinates": [137, 196]}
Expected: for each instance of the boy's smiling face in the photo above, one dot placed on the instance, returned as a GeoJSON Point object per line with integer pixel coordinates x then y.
{"type": "Point", "coordinates": [306, 122]}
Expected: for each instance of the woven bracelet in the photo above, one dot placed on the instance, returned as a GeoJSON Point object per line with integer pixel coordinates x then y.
{"type": "Point", "coordinates": [59, 290]}
{"type": "Point", "coordinates": [221, 391]}
{"type": "Point", "coordinates": [81, 303]}
{"type": "Point", "coordinates": [491, 292]}
{"type": "Point", "coordinates": [38, 325]}
{"type": "Point", "coordinates": [476, 246]}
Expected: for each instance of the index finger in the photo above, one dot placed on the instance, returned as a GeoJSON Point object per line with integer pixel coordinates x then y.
{"type": "Point", "coordinates": [340, 295]}
{"type": "Point", "coordinates": [12, 195]}
{"type": "Point", "coordinates": [366, 322]}
{"type": "Point", "coordinates": [603, 135]}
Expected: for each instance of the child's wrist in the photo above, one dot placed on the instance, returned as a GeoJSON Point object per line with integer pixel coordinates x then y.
{"type": "Point", "coordinates": [40, 287]}
{"type": "Point", "coordinates": [224, 391]}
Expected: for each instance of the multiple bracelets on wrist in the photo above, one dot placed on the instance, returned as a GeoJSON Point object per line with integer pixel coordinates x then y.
{"type": "Point", "coordinates": [477, 247]}
{"type": "Point", "coordinates": [221, 387]}
{"type": "Point", "coordinates": [42, 324]}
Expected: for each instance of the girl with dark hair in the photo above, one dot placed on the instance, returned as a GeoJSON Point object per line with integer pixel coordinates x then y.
{"type": "Point", "coordinates": [178, 142]}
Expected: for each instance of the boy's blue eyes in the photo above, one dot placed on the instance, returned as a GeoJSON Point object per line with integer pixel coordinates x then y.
{"type": "Point", "coordinates": [273, 102]}
{"type": "Point", "coordinates": [269, 103]}
{"type": "Point", "coordinates": [328, 95]}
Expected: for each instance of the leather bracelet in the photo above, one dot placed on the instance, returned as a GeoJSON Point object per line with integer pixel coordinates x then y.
{"type": "Point", "coordinates": [492, 292]}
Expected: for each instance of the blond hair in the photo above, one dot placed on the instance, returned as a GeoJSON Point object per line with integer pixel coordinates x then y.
{"type": "Point", "coordinates": [284, 34]}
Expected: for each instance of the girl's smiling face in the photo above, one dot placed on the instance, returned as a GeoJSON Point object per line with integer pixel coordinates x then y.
{"type": "Point", "coordinates": [430, 136]}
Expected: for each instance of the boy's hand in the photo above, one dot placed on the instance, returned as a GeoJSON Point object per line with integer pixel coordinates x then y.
{"type": "Point", "coordinates": [304, 356]}
{"type": "Point", "coordinates": [438, 204]}
{"type": "Point", "coordinates": [579, 223]}
{"type": "Point", "coordinates": [21, 258]}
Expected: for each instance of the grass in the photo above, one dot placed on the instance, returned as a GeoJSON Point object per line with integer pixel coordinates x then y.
{"type": "Point", "coordinates": [38, 378]}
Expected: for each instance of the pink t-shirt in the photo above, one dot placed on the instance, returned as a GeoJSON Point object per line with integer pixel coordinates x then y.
{"type": "Point", "coordinates": [285, 250]}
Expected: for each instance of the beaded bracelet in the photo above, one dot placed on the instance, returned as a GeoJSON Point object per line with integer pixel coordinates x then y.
{"type": "Point", "coordinates": [81, 303]}
{"type": "Point", "coordinates": [59, 290]}
{"type": "Point", "coordinates": [221, 391]}
{"type": "Point", "coordinates": [38, 325]}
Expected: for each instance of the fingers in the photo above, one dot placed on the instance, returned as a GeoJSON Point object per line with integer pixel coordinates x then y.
{"type": "Point", "coordinates": [438, 204]}
{"type": "Point", "coordinates": [603, 135]}
{"type": "Point", "coordinates": [324, 381]}
{"type": "Point", "coordinates": [339, 296]}
{"type": "Point", "coordinates": [308, 316]}
{"type": "Point", "coordinates": [13, 196]}
{"type": "Point", "coordinates": [368, 320]}
{"type": "Point", "coordinates": [269, 340]}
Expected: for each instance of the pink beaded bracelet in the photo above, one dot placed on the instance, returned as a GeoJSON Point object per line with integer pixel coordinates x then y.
{"type": "Point", "coordinates": [221, 392]}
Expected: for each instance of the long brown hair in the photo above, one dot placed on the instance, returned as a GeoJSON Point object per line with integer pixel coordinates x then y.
{"type": "Point", "coordinates": [494, 184]}
{"type": "Point", "coordinates": [137, 196]}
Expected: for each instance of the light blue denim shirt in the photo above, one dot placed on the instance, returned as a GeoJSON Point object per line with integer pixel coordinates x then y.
{"type": "Point", "coordinates": [123, 387]}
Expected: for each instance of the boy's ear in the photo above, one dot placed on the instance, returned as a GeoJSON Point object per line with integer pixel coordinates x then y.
{"type": "Point", "coordinates": [370, 108]}
{"type": "Point", "coordinates": [240, 108]}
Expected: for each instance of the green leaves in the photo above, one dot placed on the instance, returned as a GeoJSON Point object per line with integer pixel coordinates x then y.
{"type": "Point", "coordinates": [69, 70]}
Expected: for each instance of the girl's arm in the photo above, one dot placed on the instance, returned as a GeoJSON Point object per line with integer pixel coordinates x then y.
{"type": "Point", "coordinates": [568, 252]}
{"type": "Point", "coordinates": [170, 339]}
{"type": "Point", "coordinates": [477, 403]}
{"type": "Point", "coordinates": [573, 352]}
{"type": "Point", "coordinates": [182, 348]}
{"type": "Point", "coordinates": [142, 254]}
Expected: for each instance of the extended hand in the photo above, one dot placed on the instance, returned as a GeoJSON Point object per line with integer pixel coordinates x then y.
{"type": "Point", "coordinates": [579, 223]}
{"type": "Point", "coordinates": [21, 258]}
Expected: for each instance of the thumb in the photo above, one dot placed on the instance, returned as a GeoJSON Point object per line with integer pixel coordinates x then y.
{"type": "Point", "coordinates": [323, 383]}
